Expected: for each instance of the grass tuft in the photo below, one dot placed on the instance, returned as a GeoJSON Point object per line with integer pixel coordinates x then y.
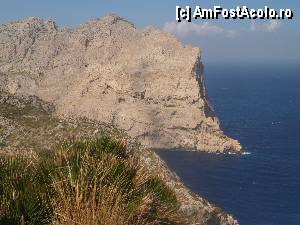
{"type": "Point", "coordinates": [83, 182]}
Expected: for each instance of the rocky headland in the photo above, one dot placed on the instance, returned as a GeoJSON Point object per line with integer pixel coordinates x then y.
{"type": "Point", "coordinates": [106, 74]}
{"type": "Point", "coordinates": [144, 82]}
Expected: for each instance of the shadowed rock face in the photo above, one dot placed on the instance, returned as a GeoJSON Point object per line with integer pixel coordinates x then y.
{"type": "Point", "coordinates": [142, 81]}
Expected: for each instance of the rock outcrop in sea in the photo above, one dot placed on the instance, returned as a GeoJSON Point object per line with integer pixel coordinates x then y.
{"type": "Point", "coordinates": [144, 82]}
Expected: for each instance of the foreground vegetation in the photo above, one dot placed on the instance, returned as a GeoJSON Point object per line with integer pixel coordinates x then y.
{"type": "Point", "coordinates": [82, 182]}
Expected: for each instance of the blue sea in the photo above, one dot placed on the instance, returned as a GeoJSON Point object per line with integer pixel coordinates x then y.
{"type": "Point", "coordinates": [258, 104]}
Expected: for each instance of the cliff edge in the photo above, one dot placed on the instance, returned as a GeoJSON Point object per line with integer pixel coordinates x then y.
{"type": "Point", "coordinates": [141, 81]}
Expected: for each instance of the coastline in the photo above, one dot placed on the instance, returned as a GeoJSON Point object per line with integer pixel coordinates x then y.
{"type": "Point", "coordinates": [18, 128]}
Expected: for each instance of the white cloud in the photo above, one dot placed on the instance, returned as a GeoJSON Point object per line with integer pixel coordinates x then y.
{"type": "Point", "coordinates": [271, 26]}
{"type": "Point", "coordinates": [184, 29]}
{"type": "Point", "coordinates": [205, 29]}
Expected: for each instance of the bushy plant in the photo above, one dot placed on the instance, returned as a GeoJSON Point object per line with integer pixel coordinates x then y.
{"type": "Point", "coordinates": [83, 182]}
{"type": "Point", "coordinates": [23, 191]}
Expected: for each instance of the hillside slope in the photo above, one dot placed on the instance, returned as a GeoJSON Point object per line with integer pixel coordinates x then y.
{"type": "Point", "coordinates": [27, 124]}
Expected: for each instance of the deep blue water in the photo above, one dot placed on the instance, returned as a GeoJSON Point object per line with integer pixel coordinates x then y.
{"type": "Point", "coordinates": [260, 106]}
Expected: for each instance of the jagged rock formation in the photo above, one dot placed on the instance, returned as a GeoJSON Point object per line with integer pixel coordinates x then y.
{"type": "Point", "coordinates": [26, 124]}
{"type": "Point", "coordinates": [142, 81]}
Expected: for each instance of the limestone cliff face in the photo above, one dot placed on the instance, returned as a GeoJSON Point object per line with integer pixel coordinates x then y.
{"type": "Point", "coordinates": [142, 81]}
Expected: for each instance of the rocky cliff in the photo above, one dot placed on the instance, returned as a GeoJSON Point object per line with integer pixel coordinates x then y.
{"type": "Point", "coordinates": [141, 81]}
{"type": "Point", "coordinates": [27, 124]}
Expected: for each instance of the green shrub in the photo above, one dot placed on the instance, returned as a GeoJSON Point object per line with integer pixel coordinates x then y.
{"type": "Point", "coordinates": [23, 192]}
{"type": "Point", "coordinates": [83, 182]}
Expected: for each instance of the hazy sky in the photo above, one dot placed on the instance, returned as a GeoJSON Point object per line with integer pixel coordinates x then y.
{"type": "Point", "coordinates": [220, 40]}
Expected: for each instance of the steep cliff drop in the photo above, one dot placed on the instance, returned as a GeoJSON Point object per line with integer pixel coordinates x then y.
{"type": "Point", "coordinates": [142, 81]}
